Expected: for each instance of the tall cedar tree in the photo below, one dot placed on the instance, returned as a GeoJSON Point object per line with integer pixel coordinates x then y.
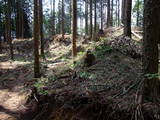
{"type": "Point", "coordinates": [101, 2]}
{"type": "Point", "coordinates": [74, 27]}
{"type": "Point", "coordinates": [118, 12]}
{"type": "Point", "coordinates": [41, 28]}
{"type": "Point", "coordinates": [123, 11]}
{"type": "Point", "coordinates": [150, 48]}
{"type": "Point", "coordinates": [95, 16]}
{"type": "Point", "coordinates": [53, 26]}
{"type": "Point", "coordinates": [8, 27]}
{"type": "Point", "coordinates": [36, 40]}
{"type": "Point", "coordinates": [108, 13]}
{"type": "Point", "coordinates": [86, 17]}
{"type": "Point", "coordinates": [1, 29]}
{"type": "Point", "coordinates": [111, 18]}
{"type": "Point", "coordinates": [20, 20]}
{"type": "Point", "coordinates": [127, 21]}
{"type": "Point", "coordinates": [91, 26]}
{"type": "Point", "coordinates": [138, 2]}
{"type": "Point", "coordinates": [62, 22]}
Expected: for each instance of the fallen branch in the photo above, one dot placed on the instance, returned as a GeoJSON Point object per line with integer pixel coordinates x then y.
{"type": "Point", "coordinates": [136, 35]}
{"type": "Point", "coordinates": [126, 91]}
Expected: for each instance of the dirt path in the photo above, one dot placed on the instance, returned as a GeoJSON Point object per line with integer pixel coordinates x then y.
{"type": "Point", "coordinates": [13, 95]}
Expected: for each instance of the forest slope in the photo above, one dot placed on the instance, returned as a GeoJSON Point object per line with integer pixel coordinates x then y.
{"type": "Point", "coordinates": [68, 89]}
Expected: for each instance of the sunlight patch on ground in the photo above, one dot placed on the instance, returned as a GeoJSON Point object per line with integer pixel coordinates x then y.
{"type": "Point", "coordinates": [12, 101]}
{"type": "Point", "coordinates": [3, 55]}
{"type": "Point", "coordinates": [22, 40]}
{"type": "Point", "coordinates": [12, 65]}
{"type": "Point", "coordinates": [5, 116]}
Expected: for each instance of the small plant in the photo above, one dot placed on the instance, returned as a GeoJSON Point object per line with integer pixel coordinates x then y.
{"type": "Point", "coordinates": [81, 53]}
{"type": "Point", "coordinates": [40, 85]}
{"type": "Point", "coordinates": [76, 64]}
{"type": "Point", "coordinates": [101, 50]}
{"type": "Point", "coordinates": [152, 76]}
{"type": "Point", "coordinates": [44, 92]}
{"type": "Point", "coordinates": [21, 59]}
{"type": "Point", "coordinates": [52, 78]}
{"type": "Point", "coordinates": [87, 75]}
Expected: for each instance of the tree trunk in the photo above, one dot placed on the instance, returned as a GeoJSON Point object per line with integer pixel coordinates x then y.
{"type": "Point", "coordinates": [41, 28]}
{"type": "Point", "coordinates": [118, 13]}
{"type": "Point", "coordinates": [70, 13]}
{"type": "Point", "coordinates": [101, 15]}
{"type": "Point", "coordinates": [53, 14]}
{"type": "Point", "coordinates": [81, 19]}
{"type": "Point", "coordinates": [8, 27]}
{"type": "Point", "coordinates": [36, 41]}
{"type": "Point", "coordinates": [74, 27]}
{"type": "Point", "coordinates": [116, 22]}
{"type": "Point", "coordinates": [108, 13]}
{"type": "Point", "coordinates": [127, 22]}
{"type": "Point", "coordinates": [123, 11]}
{"type": "Point", "coordinates": [150, 48]}
{"type": "Point", "coordinates": [58, 28]}
{"type": "Point", "coordinates": [111, 13]}
{"type": "Point", "coordinates": [138, 13]}
{"type": "Point", "coordinates": [62, 23]}
{"type": "Point", "coordinates": [19, 19]}
{"type": "Point", "coordinates": [95, 16]}
{"type": "Point", "coordinates": [1, 28]}
{"type": "Point", "coordinates": [86, 17]}
{"type": "Point", "coordinates": [91, 26]}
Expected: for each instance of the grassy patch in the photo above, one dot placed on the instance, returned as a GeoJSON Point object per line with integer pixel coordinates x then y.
{"type": "Point", "coordinates": [20, 59]}
{"type": "Point", "coordinates": [101, 50]}
{"type": "Point", "coordinates": [87, 75]}
{"type": "Point", "coordinates": [43, 83]}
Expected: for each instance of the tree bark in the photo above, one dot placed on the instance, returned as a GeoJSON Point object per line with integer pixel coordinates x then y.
{"type": "Point", "coordinates": [8, 27]}
{"type": "Point", "coordinates": [91, 26]}
{"type": "Point", "coordinates": [86, 17]}
{"type": "Point", "coordinates": [53, 14]}
{"type": "Point", "coordinates": [150, 48]}
{"type": "Point", "coordinates": [74, 27]}
{"type": "Point", "coordinates": [123, 11]}
{"type": "Point", "coordinates": [95, 16]}
{"type": "Point", "coordinates": [1, 28]}
{"type": "Point", "coordinates": [111, 13]}
{"type": "Point", "coordinates": [127, 22]}
{"type": "Point", "coordinates": [70, 13]}
{"type": "Point", "coordinates": [41, 28]}
{"type": "Point", "coordinates": [138, 13]}
{"type": "Point", "coordinates": [108, 13]}
{"type": "Point", "coordinates": [62, 23]}
{"type": "Point", "coordinates": [101, 14]}
{"type": "Point", "coordinates": [118, 13]}
{"type": "Point", "coordinates": [36, 41]}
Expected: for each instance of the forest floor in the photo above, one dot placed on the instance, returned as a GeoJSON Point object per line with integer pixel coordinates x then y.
{"type": "Point", "coordinates": [107, 90]}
